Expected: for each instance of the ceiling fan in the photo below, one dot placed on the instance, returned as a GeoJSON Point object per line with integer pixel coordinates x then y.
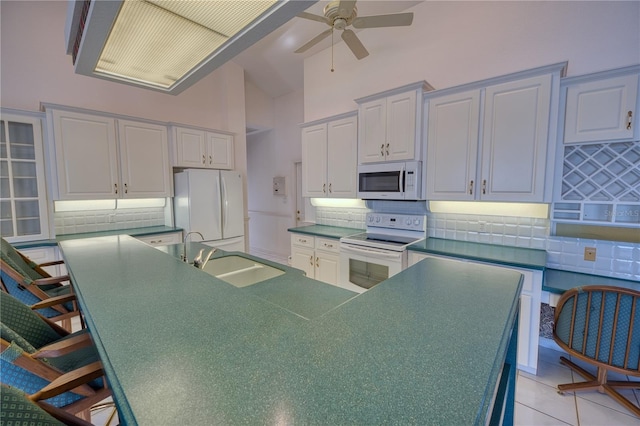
{"type": "Point", "coordinates": [340, 14]}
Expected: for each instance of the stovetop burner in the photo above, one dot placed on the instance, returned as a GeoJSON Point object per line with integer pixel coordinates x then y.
{"type": "Point", "coordinates": [389, 231]}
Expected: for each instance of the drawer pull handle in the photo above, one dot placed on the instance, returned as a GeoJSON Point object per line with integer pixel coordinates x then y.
{"type": "Point", "coordinates": [210, 159]}
{"type": "Point", "coordinates": [317, 262]}
{"type": "Point", "coordinates": [311, 260]}
{"type": "Point", "coordinates": [204, 159]}
{"type": "Point", "coordinates": [629, 115]}
{"type": "Point", "coordinates": [382, 150]}
{"type": "Point", "coordinates": [126, 189]}
{"type": "Point", "coordinates": [324, 188]}
{"type": "Point", "coordinates": [471, 188]}
{"type": "Point", "coordinates": [484, 186]}
{"type": "Point", "coordinates": [387, 149]}
{"type": "Point", "coordinates": [115, 185]}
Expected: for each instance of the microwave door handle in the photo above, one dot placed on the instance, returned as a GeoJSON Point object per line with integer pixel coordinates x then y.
{"type": "Point", "coordinates": [402, 180]}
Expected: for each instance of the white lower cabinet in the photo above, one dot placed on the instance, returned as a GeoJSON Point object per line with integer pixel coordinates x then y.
{"type": "Point", "coordinates": [318, 257]}
{"type": "Point", "coordinates": [529, 320]}
{"type": "Point", "coordinates": [162, 239]}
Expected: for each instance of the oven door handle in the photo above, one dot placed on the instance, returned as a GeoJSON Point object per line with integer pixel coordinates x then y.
{"type": "Point", "coordinates": [370, 251]}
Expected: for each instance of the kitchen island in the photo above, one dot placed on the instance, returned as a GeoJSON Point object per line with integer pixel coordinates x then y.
{"type": "Point", "coordinates": [427, 346]}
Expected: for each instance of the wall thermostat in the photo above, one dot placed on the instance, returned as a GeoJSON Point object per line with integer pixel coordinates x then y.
{"type": "Point", "coordinates": [279, 185]}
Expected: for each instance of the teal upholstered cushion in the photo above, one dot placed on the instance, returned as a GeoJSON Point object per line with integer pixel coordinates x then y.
{"type": "Point", "coordinates": [17, 410]}
{"type": "Point", "coordinates": [21, 319]}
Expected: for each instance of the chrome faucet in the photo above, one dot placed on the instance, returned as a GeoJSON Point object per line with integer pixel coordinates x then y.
{"type": "Point", "coordinates": [184, 245]}
{"type": "Point", "coordinates": [199, 263]}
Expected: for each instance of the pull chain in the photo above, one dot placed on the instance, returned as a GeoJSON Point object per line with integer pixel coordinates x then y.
{"type": "Point", "coordinates": [331, 49]}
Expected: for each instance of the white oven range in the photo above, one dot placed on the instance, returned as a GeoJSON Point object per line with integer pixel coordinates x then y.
{"type": "Point", "coordinates": [370, 257]}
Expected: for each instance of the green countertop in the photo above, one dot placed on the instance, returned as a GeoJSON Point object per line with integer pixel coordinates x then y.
{"type": "Point", "coordinates": [503, 255]}
{"type": "Point", "coordinates": [135, 232]}
{"type": "Point", "coordinates": [557, 281]}
{"type": "Point", "coordinates": [181, 347]}
{"type": "Point", "coordinates": [326, 231]}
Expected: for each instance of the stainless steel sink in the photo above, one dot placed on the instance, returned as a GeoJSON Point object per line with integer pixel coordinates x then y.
{"type": "Point", "coordinates": [240, 271]}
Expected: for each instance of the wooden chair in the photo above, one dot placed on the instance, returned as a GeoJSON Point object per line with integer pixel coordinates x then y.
{"type": "Point", "coordinates": [45, 361]}
{"type": "Point", "coordinates": [30, 284]}
{"type": "Point", "coordinates": [600, 325]}
{"type": "Point", "coordinates": [17, 408]}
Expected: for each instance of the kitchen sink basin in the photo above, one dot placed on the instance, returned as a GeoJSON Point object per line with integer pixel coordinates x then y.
{"type": "Point", "coordinates": [240, 271]}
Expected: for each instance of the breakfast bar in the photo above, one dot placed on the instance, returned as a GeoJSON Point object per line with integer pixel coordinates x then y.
{"type": "Point", "coordinates": [434, 344]}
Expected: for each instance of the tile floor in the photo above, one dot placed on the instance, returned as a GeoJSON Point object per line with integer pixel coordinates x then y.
{"type": "Point", "coordinates": [538, 403]}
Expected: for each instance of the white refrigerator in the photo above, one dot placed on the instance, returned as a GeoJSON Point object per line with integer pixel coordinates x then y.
{"type": "Point", "coordinates": [210, 202]}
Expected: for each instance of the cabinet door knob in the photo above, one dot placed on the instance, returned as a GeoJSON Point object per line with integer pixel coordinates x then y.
{"type": "Point", "coordinates": [629, 115]}
{"type": "Point", "coordinates": [115, 185]}
{"type": "Point", "coordinates": [484, 186]}
{"type": "Point", "coordinates": [471, 188]}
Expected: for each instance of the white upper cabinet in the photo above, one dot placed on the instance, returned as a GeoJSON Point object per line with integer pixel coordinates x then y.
{"type": "Point", "coordinates": [144, 159]}
{"type": "Point", "coordinates": [491, 141]}
{"type": "Point", "coordinates": [86, 156]}
{"type": "Point", "coordinates": [342, 146]}
{"type": "Point", "coordinates": [220, 150]}
{"type": "Point", "coordinates": [389, 125]}
{"type": "Point", "coordinates": [401, 126]}
{"type": "Point", "coordinates": [99, 157]}
{"type": "Point", "coordinates": [516, 130]}
{"type": "Point", "coordinates": [329, 157]}
{"type": "Point", "coordinates": [196, 148]}
{"type": "Point", "coordinates": [603, 109]}
{"type": "Point", "coordinates": [314, 161]}
{"type": "Point", "coordinates": [452, 146]}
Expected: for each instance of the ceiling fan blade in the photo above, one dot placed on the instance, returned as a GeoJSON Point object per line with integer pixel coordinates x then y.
{"type": "Point", "coordinates": [313, 17]}
{"type": "Point", "coordinates": [345, 8]}
{"type": "Point", "coordinates": [354, 43]}
{"type": "Point", "coordinates": [314, 41]}
{"type": "Point", "coordinates": [378, 21]}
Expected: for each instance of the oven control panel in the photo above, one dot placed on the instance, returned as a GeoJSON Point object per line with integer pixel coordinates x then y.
{"type": "Point", "coordinates": [408, 222]}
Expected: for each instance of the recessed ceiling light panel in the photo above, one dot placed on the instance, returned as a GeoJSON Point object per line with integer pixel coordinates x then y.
{"type": "Point", "coordinates": [168, 45]}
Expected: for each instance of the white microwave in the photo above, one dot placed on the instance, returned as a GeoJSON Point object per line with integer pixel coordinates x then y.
{"type": "Point", "coordinates": [390, 181]}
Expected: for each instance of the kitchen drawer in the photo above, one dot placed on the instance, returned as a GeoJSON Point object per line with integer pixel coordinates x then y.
{"type": "Point", "coordinates": [326, 244]}
{"type": "Point", "coordinates": [302, 240]}
{"type": "Point", "coordinates": [162, 239]}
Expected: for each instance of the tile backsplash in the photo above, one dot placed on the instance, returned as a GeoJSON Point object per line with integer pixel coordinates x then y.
{"type": "Point", "coordinates": [613, 259]}
{"type": "Point", "coordinates": [107, 220]}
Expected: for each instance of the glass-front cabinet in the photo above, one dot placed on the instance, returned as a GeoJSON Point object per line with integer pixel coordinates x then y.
{"type": "Point", "coordinates": [23, 207]}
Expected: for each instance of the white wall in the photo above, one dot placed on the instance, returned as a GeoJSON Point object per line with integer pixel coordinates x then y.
{"type": "Point", "coordinates": [452, 43]}
{"type": "Point", "coordinates": [273, 153]}
{"type": "Point", "coordinates": [259, 107]}
{"type": "Point", "coordinates": [35, 68]}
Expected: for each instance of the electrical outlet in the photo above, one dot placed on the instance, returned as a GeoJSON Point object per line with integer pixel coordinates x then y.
{"type": "Point", "coordinates": [590, 254]}
{"type": "Point", "coordinates": [482, 226]}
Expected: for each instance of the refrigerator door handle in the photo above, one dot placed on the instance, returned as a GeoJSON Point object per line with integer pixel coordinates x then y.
{"type": "Point", "coordinates": [224, 204]}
